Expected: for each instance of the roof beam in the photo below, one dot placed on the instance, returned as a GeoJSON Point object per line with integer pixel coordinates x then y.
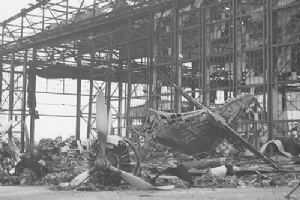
{"type": "Point", "coordinates": [26, 10]}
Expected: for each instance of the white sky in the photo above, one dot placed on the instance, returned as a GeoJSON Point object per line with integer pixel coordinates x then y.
{"type": "Point", "coordinates": [9, 8]}
{"type": "Point", "coordinates": [46, 126]}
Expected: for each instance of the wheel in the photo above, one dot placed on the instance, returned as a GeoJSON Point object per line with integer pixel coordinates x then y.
{"type": "Point", "coordinates": [135, 156]}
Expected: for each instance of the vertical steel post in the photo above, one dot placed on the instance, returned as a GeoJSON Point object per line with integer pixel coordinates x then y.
{"type": "Point", "coordinates": [1, 64]}
{"type": "Point", "coordinates": [43, 16]}
{"type": "Point", "coordinates": [33, 100]}
{"type": "Point", "coordinates": [265, 25]}
{"type": "Point", "coordinates": [91, 78]}
{"type": "Point", "coordinates": [23, 113]}
{"type": "Point", "coordinates": [23, 109]}
{"type": "Point", "coordinates": [120, 108]}
{"type": "Point", "coordinates": [176, 62]}
{"type": "Point", "coordinates": [150, 61]}
{"type": "Point", "coordinates": [78, 98]}
{"type": "Point", "coordinates": [154, 27]}
{"type": "Point", "coordinates": [11, 94]}
{"type": "Point", "coordinates": [67, 9]}
{"type": "Point", "coordinates": [235, 76]}
{"type": "Point", "coordinates": [129, 75]}
{"type": "Point", "coordinates": [203, 77]}
{"type": "Point", "coordinates": [89, 125]}
{"type": "Point", "coordinates": [270, 70]}
{"type": "Point", "coordinates": [193, 86]}
{"type": "Point", "coordinates": [108, 80]}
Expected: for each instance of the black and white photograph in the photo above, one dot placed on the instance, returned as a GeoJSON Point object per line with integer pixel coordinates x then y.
{"type": "Point", "coordinates": [150, 99]}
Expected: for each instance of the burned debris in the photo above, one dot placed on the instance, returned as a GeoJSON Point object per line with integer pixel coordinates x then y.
{"type": "Point", "coordinates": [185, 150]}
{"type": "Point", "coordinates": [194, 93]}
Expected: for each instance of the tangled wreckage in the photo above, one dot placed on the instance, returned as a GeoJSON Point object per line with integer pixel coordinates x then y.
{"type": "Point", "coordinates": [198, 131]}
{"type": "Point", "coordinates": [110, 159]}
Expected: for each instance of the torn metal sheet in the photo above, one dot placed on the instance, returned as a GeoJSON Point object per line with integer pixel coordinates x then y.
{"type": "Point", "coordinates": [279, 146]}
{"type": "Point", "coordinates": [185, 132]}
{"type": "Point", "coordinates": [198, 131]}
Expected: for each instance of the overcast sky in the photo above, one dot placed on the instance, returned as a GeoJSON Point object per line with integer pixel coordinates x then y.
{"type": "Point", "coordinates": [9, 8]}
{"type": "Point", "coordinates": [46, 126]}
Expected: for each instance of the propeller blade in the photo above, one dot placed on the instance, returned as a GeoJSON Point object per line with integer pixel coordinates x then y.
{"type": "Point", "coordinates": [138, 182]}
{"type": "Point", "coordinates": [81, 178]}
{"type": "Point", "coordinates": [26, 133]}
{"type": "Point", "coordinates": [101, 122]}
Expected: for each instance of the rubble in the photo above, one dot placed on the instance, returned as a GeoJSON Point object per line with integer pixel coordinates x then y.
{"type": "Point", "coordinates": [161, 165]}
{"type": "Point", "coordinates": [46, 166]}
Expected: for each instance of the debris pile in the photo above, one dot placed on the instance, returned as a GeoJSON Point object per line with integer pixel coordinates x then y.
{"type": "Point", "coordinates": [226, 167]}
{"type": "Point", "coordinates": [55, 161]}
{"type": "Point", "coordinates": [52, 162]}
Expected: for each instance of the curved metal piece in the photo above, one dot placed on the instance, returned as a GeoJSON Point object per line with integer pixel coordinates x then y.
{"type": "Point", "coordinates": [138, 182]}
{"type": "Point", "coordinates": [137, 155]}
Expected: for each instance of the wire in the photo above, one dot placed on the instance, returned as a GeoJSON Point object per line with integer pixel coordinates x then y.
{"type": "Point", "coordinates": [53, 104]}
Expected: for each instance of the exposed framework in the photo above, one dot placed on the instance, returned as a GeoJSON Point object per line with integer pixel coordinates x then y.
{"type": "Point", "coordinates": [213, 49]}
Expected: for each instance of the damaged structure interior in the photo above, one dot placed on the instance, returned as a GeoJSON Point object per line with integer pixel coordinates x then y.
{"type": "Point", "coordinates": [139, 52]}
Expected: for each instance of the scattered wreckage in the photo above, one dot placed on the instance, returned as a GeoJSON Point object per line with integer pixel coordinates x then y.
{"type": "Point", "coordinates": [54, 161]}
{"type": "Point", "coordinates": [114, 158]}
{"type": "Point", "coordinates": [197, 131]}
{"type": "Point", "coordinates": [201, 131]}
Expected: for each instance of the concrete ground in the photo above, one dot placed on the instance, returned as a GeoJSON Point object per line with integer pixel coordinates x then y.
{"type": "Point", "coordinates": [44, 193]}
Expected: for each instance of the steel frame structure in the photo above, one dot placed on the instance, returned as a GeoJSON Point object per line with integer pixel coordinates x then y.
{"type": "Point", "coordinates": [213, 49]}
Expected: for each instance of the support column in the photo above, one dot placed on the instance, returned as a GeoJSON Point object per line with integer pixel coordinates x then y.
{"type": "Point", "coordinates": [24, 86]}
{"type": "Point", "coordinates": [235, 66]}
{"type": "Point", "coordinates": [23, 112]}
{"type": "Point", "coordinates": [150, 62]}
{"type": "Point", "coordinates": [67, 9]}
{"type": "Point", "coordinates": [11, 94]}
{"type": "Point", "coordinates": [91, 78]}
{"type": "Point", "coordinates": [265, 26]}
{"type": "Point", "coordinates": [1, 65]}
{"type": "Point", "coordinates": [203, 69]}
{"type": "Point", "coordinates": [108, 80]}
{"type": "Point", "coordinates": [89, 125]}
{"type": "Point", "coordinates": [43, 17]}
{"type": "Point", "coordinates": [193, 86]}
{"type": "Point", "coordinates": [177, 48]}
{"type": "Point", "coordinates": [32, 98]}
{"type": "Point", "coordinates": [153, 62]}
{"type": "Point", "coordinates": [78, 99]}
{"type": "Point", "coordinates": [269, 70]}
{"type": "Point", "coordinates": [129, 75]}
{"type": "Point", "coordinates": [120, 108]}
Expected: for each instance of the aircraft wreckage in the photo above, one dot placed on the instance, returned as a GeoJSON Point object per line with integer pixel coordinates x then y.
{"type": "Point", "coordinates": [197, 131]}
{"type": "Point", "coordinates": [191, 133]}
{"type": "Point", "coordinates": [204, 129]}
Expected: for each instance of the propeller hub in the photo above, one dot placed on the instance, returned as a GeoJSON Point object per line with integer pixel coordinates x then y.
{"type": "Point", "coordinates": [102, 164]}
